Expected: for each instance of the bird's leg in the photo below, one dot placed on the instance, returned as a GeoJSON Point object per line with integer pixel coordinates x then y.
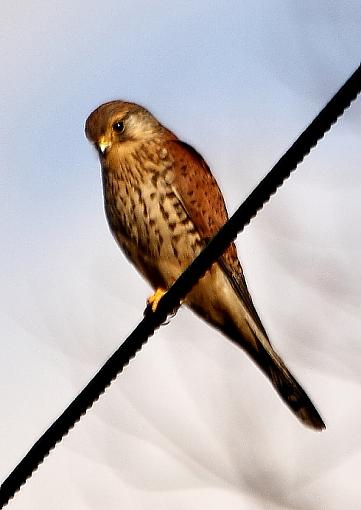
{"type": "Point", "coordinates": [154, 299]}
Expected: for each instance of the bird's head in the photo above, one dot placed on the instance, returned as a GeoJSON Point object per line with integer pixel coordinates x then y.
{"type": "Point", "coordinates": [119, 122]}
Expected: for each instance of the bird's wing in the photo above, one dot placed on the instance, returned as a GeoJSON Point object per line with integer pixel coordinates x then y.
{"type": "Point", "coordinates": [202, 199]}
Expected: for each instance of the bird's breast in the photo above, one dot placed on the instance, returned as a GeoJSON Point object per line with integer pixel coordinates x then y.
{"type": "Point", "coordinates": [147, 217]}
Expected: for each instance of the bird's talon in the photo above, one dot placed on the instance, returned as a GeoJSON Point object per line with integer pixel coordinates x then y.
{"type": "Point", "coordinates": [154, 299]}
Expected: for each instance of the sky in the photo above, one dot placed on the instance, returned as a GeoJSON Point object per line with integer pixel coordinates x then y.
{"type": "Point", "coordinates": [191, 423]}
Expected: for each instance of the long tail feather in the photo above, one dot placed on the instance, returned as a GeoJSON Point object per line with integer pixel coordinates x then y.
{"type": "Point", "coordinates": [288, 388]}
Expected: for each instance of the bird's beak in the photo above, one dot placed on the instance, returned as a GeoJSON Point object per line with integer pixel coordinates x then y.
{"type": "Point", "coordinates": [103, 144]}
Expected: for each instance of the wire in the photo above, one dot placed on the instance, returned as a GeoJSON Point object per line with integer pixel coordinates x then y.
{"type": "Point", "coordinates": [170, 301]}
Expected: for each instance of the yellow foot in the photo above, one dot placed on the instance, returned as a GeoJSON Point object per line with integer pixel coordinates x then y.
{"type": "Point", "coordinates": [155, 298]}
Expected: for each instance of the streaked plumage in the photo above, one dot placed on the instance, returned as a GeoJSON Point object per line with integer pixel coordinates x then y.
{"type": "Point", "coordinates": [163, 204]}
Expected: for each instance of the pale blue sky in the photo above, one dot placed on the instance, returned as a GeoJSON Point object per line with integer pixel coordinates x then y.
{"type": "Point", "coordinates": [191, 423]}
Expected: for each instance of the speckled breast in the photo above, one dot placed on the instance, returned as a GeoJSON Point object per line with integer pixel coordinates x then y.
{"type": "Point", "coordinates": [145, 214]}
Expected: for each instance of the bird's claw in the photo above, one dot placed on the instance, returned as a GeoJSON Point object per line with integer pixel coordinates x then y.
{"type": "Point", "coordinates": [154, 299]}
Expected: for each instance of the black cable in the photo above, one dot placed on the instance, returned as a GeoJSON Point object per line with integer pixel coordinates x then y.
{"type": "Point", "coordinates": [115, 364]}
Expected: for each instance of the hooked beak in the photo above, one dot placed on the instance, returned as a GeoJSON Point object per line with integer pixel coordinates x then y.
{"type": "Point", "coordinates": [103, 144]}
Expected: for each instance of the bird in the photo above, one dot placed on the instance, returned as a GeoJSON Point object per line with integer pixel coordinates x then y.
{"type": "Point", "coordinates": [163, 205]}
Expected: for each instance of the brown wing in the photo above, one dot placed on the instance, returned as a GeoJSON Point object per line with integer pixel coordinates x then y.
{"type": "Point", "coordinates": [203, 201]}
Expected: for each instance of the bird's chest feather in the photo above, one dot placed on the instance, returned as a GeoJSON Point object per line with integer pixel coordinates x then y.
{"type": "Point", "coordinates": [147, 218]}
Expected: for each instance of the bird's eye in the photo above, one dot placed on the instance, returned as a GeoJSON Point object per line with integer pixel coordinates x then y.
{"type": "Point", "coordinates": [118, 126]}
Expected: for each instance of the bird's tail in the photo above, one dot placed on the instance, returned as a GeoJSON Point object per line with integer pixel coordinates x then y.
{"type": "Point", "coordinates": [242, 325]}
{"type": "Point", "coordinates": [290, 391]}
{"type": "Point", "coordinates": [259, 348]}
{"type": "Point", "coordinates": [287, 387]}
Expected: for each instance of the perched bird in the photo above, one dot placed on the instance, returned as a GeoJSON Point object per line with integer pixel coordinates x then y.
{"type": "Point", "coordinates": [163, 205]}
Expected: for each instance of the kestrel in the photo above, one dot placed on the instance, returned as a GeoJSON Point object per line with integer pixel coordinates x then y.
{"type": "Point", "coordinates": [163, 205]}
